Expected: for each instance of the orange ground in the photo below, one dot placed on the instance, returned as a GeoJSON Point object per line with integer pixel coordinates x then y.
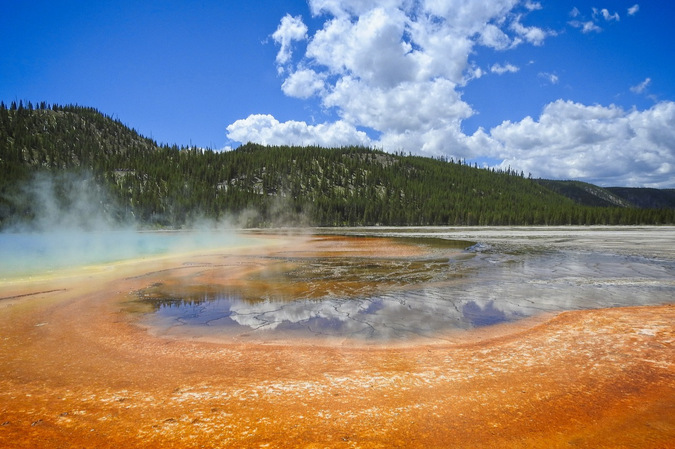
{"type": "Point", "coordinates": [76, 372]}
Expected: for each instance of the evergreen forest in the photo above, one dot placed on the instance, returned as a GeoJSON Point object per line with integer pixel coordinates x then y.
{"type": "Point", "coordinates": [79, 152]}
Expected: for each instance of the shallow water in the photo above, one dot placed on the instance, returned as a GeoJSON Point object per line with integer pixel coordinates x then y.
{"type": "Point", "coordinates": [36, 253]}
{"type": "Point", "coordinates": [498, 279]}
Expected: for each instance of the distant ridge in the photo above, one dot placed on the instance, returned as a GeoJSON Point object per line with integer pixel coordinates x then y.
{"type": "Point", "coordinates": [631, 197]}
{"type": "Point", "coordinates": [646, 198]}
{"type": "Point", "coordinates": [587, 194]}
{"type": "Point", "coordinates": [129, 178]}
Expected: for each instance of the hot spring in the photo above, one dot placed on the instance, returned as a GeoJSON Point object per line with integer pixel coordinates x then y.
{"type": "Point", "coordinates": [450, 280]}
{"type": "Point", "coordinates": [35, 253]}
{"type": "Point", "coordinates": [367, 284]}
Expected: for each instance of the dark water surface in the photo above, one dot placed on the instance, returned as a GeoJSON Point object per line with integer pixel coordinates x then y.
{"type": "Point", "coordinates": [494, 281]}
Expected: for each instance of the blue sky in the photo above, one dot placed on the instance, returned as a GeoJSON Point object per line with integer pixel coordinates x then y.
{"type": "Point", "coordinates": [564, 90]}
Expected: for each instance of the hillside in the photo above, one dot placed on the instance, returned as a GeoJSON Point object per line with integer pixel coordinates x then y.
{"type": "Point", "coordinates": [646, 198]}
{"type": "Point", "coordinates": [629, 197]}
{"type": "Point", "coordinates": [78, 161]}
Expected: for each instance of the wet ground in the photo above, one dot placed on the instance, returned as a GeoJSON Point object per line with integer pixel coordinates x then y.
{"type": "Point", "coordinates": [82, 367]}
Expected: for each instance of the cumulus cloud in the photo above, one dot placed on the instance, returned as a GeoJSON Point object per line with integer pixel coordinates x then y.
{"type": "Point", "coordinates": [398, 68]}
{"type": "Point", "coordinates": [290, 29]}
{"type": "Point", "coordinates": [370, 48]}
{"type": "Point", "coordinates": [303, 84]}
{"type": "Point", "coordinates": [492, 36]}
{"type": "Point", "coordinates": [266, 130]}
{"type": "Point", "coordinates": [608, 145]}
{"type": "Point", "coordinates": [374, 62]}
{"type": "Point", "coordinates": [633, 10]}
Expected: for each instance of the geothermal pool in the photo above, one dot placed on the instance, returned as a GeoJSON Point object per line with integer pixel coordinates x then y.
{"type": "Point", "coordinates": [36, 253]}
{"type": "Point", "coordinates": [380, 337]}
{"type": "Point", "coordinates": [408, 283]}
{"type": "Point", "coordinates": [450, 280]}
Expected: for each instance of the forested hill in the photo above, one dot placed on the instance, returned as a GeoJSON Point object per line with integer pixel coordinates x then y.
{"type": "Point", "coordinates": [80, 153]}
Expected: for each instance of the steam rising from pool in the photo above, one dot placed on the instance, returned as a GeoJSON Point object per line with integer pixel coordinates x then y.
{"type": "Point", "coordinates": [69, 220]}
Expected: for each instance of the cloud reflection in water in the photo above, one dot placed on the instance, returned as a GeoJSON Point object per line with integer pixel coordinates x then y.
{"type": "Point", "coordinates": [419, 298]}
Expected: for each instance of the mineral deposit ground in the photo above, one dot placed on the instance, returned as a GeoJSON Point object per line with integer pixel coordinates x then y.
{"type": "Point", "coordinates": [78, 369]}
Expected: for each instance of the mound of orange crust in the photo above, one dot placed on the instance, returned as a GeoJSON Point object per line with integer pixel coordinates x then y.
{"type": "Point", "coordinates": [76, 372]}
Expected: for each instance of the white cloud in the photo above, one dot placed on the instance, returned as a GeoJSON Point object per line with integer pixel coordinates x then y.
{"type": "Point", "coordinates": [533, 6]}
{"type": "Point", "coordinates": [633, 10]}
{"type": "Point", "coordinates": [640, 88]}
{"type": "Point", "coordinates": [591, 26]}
{"type": "Point", "coordinates": [605, 14]}
{"type": "Point", "coordinates": [586, 27]}
{"type": "Point", "coordinates": [606, 145]}
{"type": "Point", "coordinates": [492, 36]}
{"type": "Point", "coordinates": [600, 144]}
{"type": "Point", "coordinates": [549, 77]}
{"type": "Point", "coordinates": [266, 130]}
{"type": "Point", "coordinates": [347, 8]}
{"type": "Point", "coordinates": [610, 17]}
{"type": "Point", "coordinates": [393, 66]}
{"type": "Point", "coordinates": [290, 29]}
{"type": "Point", "coordinates": [398, 67]}
{"type": "Point", "coordinates": [465, 16]}
{"type": "Point", "coordinates": [501, 69]}
{"type": "Point", "coordinates": [370, 48]}
{"type": "Point", "coordinates": [403, 114]}
{"type": "Point", "coordinates": [303, 84]}
{"type": "Point", "coordinates": [533, 35]}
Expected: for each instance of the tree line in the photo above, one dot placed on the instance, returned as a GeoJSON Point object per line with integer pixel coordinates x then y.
{"type": "Point", "coordinates": [169, 186]}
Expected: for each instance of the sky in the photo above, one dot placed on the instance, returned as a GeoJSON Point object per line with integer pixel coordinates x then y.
{"type": "Point", "coordinates": [558, 89]}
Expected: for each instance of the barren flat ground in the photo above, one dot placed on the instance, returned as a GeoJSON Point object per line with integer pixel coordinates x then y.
{"type": "Point", "coordinates": [78, 368]}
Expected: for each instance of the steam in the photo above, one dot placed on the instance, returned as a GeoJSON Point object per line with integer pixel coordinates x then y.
{"type": "Point", "coordinates": [64, 201]}
{"type": "Point", "coordinates": [65, 219]}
